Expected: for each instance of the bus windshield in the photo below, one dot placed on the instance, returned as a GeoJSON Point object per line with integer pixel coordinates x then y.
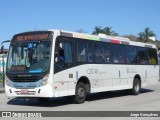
{"type": "Point", "coordinates": [29, 57]}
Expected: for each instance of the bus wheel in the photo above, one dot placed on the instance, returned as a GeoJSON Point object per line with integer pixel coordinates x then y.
{"type": "Point", "coordinates": [136, 86]}
{"type": "Point", "coordinates": [43, 100]}
{"type": "Point", "coordinates": [80, 95]}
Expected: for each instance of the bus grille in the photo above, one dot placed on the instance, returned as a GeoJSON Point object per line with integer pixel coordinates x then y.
{"type": "Point", "coordinates": [25, 79]}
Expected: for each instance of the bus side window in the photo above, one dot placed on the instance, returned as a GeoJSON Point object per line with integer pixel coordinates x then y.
{"type": "Point", "coordinates": [60, 53]}
{"type": "Point", "coordinates": [59, 56]}
{"type": "Point", "coordinates": [100, 53]}
{"type": "Point", "coordinates": [107, 53]}
{"type": "Point", "coordinates": [63, 55]}
{"type": "Point", "coordinates": [67, 53]}
{"type": "Point", "coordinates": [142, 56]}
{"type": "Point", "coordinates": [131, 55]}
{"type": "Point", "coordinates": [90, 56]}
{"type": "Point", "coordinates": [152, 54]}
{"type": "Point", "coordinates": [118, 54]}
{"type": "Point", "coordinates": [82, 52]}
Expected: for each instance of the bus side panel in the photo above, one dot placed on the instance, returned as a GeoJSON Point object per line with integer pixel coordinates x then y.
{"type": "Point", "coordinates": [152, 74]}
{"type": "Point", "coordinates": [104, 77]}
{"type": "Point", "coordinates": [65, 82]}
{"type": "Point", "coordinates": [100, 77]}
{"type": "Point", "coordinates": [122, 79]}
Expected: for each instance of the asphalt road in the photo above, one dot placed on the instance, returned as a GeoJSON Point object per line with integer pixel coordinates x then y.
{"type": "Point", "coordinates": [148, 100]}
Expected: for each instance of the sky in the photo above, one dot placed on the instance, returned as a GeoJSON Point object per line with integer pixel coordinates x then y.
{"type": "Point", "coordinates": [124, 16]}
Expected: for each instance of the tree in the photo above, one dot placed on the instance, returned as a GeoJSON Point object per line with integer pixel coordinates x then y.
{"type": "Point", "coordinates": [98, 29]}
{"type": "Point", "coordinates": [144, 36]}
{"type": "Point", "coordinates": [106, 31]}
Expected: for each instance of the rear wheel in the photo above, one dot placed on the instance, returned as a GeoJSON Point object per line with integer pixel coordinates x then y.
{"type": "Point", "coordinates": [136, 86]}
{"type": "Point", "coordinates": [80, 95]}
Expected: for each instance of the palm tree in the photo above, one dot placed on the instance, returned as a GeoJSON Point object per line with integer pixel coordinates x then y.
{"type": "Point", "coordinates": [106, 31]}
{"type": "Point", "coordinates": [144, 36]}
{"type": "Point", "coordinates": [141, 37]}
{"type": "Point", "coordinates": [98, 29]}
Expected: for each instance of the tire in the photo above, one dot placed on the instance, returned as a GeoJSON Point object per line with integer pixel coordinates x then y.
{"type": "Point", "coordinates": [43, 100]}
{"type": "Point", "coordinates": [136, 87]}
{"type": "Point", "coordinates": [80, 94]}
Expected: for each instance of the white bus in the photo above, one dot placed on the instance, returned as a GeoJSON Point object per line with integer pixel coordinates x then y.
{"type": "Point", "coordinates": [56, 63]}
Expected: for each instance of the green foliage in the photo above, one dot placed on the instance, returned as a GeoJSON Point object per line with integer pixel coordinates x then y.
{"type": "Point", "coordinates": [1, 77]}
{"type": "Point", "coordinates": [144, 36]}
{"type": "Point", "coordinates": [106, 31]}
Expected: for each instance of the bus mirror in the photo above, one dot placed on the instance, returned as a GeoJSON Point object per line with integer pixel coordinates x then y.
{"type": "Point", "coordinates": [2, 48]}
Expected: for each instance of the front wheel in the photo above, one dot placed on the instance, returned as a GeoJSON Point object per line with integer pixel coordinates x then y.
{"type": "Point", "coordinates": [80, 94]}
{"type": "Point", "coordinates": [136, 86]}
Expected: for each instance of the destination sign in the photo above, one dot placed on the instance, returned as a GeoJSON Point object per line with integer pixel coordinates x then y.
{"type": "Point", "coordinates": [34, 37]}
{"type": "Point", "coordinates": [18, 67]}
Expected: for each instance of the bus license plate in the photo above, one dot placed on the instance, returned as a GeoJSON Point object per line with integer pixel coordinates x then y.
{"type": "Point", "coordinates": [24, 91]}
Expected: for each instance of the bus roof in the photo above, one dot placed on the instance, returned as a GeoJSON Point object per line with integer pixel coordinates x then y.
{"type": "Point", "coordinates": [104, 38]}
{"type": "Point", "coordinates": [99, 37]}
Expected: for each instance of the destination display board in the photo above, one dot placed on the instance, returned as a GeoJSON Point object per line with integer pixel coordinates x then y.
{"type": "Point", "coordinates": [31, 37]}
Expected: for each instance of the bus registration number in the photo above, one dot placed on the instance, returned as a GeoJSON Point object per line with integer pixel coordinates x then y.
{"type": "Point", "coordinates": [24, 91]}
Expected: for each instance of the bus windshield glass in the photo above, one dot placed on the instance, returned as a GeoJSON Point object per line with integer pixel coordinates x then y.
{"type": "Point", "coordinates": [29, 56]}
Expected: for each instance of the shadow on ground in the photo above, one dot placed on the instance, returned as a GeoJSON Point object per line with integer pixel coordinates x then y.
{"type": "Point", "coordinates": [54, 102]}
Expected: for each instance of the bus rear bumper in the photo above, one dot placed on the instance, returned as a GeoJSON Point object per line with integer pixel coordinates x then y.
{"type": "Point", "coordinates": [44, 91]}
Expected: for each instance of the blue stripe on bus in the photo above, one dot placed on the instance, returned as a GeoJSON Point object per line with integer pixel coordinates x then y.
{"type": "Point", "coordinates": [35, 71]}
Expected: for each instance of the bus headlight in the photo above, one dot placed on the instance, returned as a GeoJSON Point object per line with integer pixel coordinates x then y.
{"type": "Point", "coordinates": [44, 80]}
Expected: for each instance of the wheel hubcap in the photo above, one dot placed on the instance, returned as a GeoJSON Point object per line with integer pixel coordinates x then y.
{"type": "Point", "coordinates": [137, 87]}
{"type": "Point", "coordinates": [80, 92]}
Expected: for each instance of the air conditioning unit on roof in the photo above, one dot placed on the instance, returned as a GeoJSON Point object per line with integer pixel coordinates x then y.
{"type": "Point", "coordinates": [103, 35]}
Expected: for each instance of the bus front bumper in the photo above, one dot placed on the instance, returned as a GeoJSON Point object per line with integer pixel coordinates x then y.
{"type": "Point", "coordinates": [44, 91]}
